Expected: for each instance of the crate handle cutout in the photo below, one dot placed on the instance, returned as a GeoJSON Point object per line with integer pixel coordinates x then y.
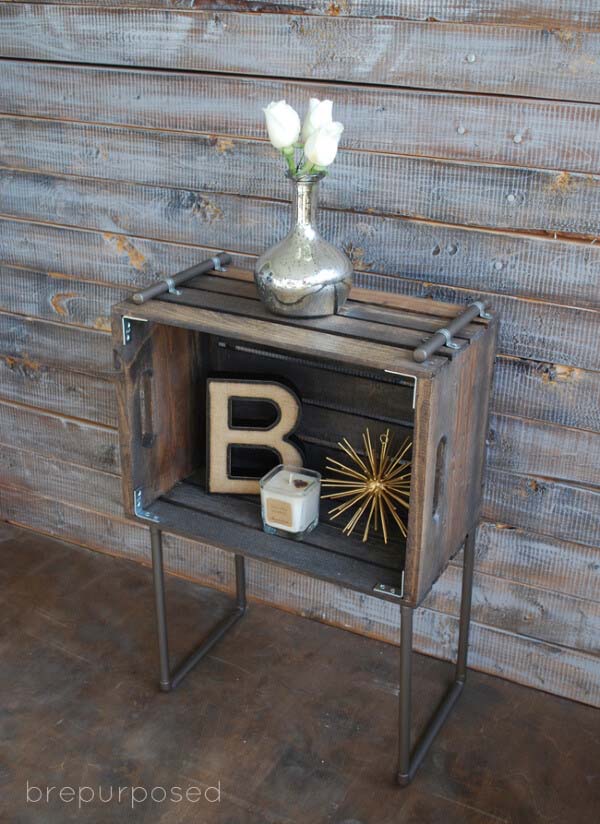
{"type": "Point", "coordinates": [440, 467]}
{"type": "Point", "coordinates": [146, 406]}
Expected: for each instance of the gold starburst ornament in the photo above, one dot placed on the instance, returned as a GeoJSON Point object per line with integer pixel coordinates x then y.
{"type": "Point", "coordinates": [373, 486]}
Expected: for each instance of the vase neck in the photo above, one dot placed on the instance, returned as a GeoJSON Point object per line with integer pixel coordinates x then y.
{"type": "Point", "coordinates": [305, 202]}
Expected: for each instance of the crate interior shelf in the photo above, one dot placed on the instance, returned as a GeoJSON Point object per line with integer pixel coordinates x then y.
{"type": "Point", "coordinates": [235, 523]}
{"type": "Point", "coordinates": [366, 367]}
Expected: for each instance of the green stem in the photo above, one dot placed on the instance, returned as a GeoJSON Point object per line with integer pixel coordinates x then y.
{"type": "Point", "coordinates": [289, 157]}
{"type": "Point", "coordinates": [306, 169]}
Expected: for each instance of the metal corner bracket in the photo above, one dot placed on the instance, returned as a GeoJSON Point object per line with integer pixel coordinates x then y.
{"type": "Point", "coordinates": [405, 375]}
{"type": "Point", "coordinates": [127, 327]}
{"type": "Point", "coordinates": [139, 510]}
{"type": "Point", "coordinates": [388, 590]}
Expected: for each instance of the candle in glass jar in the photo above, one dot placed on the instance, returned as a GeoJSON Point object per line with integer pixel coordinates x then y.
{"type": "Point", "coordinates": [290, 500]}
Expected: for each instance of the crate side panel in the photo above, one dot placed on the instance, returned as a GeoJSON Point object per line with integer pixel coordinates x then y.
{"type": "Point", "coordinates": [448, 459]}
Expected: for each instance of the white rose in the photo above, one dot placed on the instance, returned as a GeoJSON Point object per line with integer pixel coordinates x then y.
{"type": "Point", "coordinates": [319, 114]}
{"type": "Point", "coordinates": [321, 147]}
{"type": "Point", "coordinates": [283, 124]}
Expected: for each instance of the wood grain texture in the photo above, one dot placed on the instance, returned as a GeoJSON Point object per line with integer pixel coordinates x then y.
{"type": "Point", "coordinates": [573, 14]}
{"type": "Point", "coordinates": [161, 409]}
{"type": "Point", "coordinates": [505, 553]}
{"type": "Point", "coordinates": [54, 389]}
{"type": "Point", "coordinates": [557, 669]}
{"type": "Point", "coordinates": [54, 437]}
{"type": "Point", "coordinates": [33, 342]}
{"type": "Point", "coordinates": [538, 560]}
{"type": "Point", "coordinates": [499, 197]}
{"type": "Point", "coordinates": [548, 392]}
{"type": "Point", "coordinates": [554, 135]}
{"type": "Point", "coordinates": [525, 448]}
{"type": "Point", "coordinates": [551, 508]}
{"type": "Point", "coordinates": [529, 329]}
{"type": "Point", "coordinates": [558, 392]}
{"type": "Point", "coordinates": [450, 424]}
{"type": "Point", "coordinates": [559, 510]}
{"type": "Point", "coordinates": [35, 474]}
{"type": "Point", "coordinates": [430, 55]}
{"type": "Point", "coordinates": [63, 300]}
{"type": "Point", "coordinates": [524, 610]}
{"type": "Point", "coordinates": [502, 552]}
{"type": "Point", "coordinates": [490, 261]}
{"type": "Point", "coordinates": [332, 347]}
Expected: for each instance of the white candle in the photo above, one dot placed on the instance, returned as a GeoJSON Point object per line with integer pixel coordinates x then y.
{"type": "Point", "coordinates": [290, 499]}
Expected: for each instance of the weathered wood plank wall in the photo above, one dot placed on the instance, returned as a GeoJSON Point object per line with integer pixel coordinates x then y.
{"type": "Point", "coordinates": [132, 143]}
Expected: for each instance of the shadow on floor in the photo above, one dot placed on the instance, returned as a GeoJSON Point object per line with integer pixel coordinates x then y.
{"type": "Point", "coordinates": [295, 721]}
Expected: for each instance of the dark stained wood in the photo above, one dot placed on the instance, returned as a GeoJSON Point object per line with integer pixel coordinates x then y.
{"type": "Point", "coordinates": [160, 410]}
{"type": "Point", "coordinates": [341, 324]}
{"type": "Point", "coordinates": [369, 355]}
{"type": "Point", "coordinates": [518, 608]}
{"type": "Point", "coordinates": [36, 359]}
{"type": "Point", "coordinates": [345, 391]}
{"type": "Point", "coordinates": [530, 329]}
{"type": "Point", "coordinates": [245, 510]}
{"type": "Point", "coordinates": [417, 315]}
{"type": "Point", "coordinates": [452, 398]}
{"type": "Point", "coordinates": [448, 456]}
{"type": "Point", "coordinates": [543, 64]}
{"type": "Point", "coordinates": [236, 526]}
{"type": "Point", "coordinates": [500, 552]}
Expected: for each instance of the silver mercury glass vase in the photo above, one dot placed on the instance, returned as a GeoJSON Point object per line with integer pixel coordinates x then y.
{"type": "Point", "coordinates": [303, 275]}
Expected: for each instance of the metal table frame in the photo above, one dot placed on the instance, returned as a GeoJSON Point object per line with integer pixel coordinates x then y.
{"type": "Point", "coordinates": [409, 759]}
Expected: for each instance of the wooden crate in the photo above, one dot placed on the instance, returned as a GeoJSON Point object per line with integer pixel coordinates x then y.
{"type": "Point", "coordinates": [351, 371]}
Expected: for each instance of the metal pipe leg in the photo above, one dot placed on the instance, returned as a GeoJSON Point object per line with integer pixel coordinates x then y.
{"type": "Point", "coordinates": [409, 763]}
{"type": "Point", "coordinates": [170, 679]}
{"type": "Point", "coordinates": [240, 583]}
{"type": "Point", "coordinates": [465, 608]}
{"type": "Point", "coordinates": [161, 609]}
{"type": "Point", "coordinates": [406, 638]}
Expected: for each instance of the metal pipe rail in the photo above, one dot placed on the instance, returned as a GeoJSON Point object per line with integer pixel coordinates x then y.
{"type": "Point", "coordinates": [443, 337]}
{"type": "Point", "coordinates": [170, 284]}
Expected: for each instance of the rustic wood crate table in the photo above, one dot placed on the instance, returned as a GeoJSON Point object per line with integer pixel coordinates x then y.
{"type": "Point", "coordinates": [417, 367]}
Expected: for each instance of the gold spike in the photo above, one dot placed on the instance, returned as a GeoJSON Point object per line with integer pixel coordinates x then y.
{"type": "Point", "coordinates": [373, 485]}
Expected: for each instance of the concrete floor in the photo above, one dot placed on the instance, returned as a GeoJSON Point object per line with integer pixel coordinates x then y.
{"type": "Point", "coordinates": [296, 720]}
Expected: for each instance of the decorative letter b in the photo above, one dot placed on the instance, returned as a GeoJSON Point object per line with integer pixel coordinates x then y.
{"type": "Point", "coordinates": [234, 428]}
